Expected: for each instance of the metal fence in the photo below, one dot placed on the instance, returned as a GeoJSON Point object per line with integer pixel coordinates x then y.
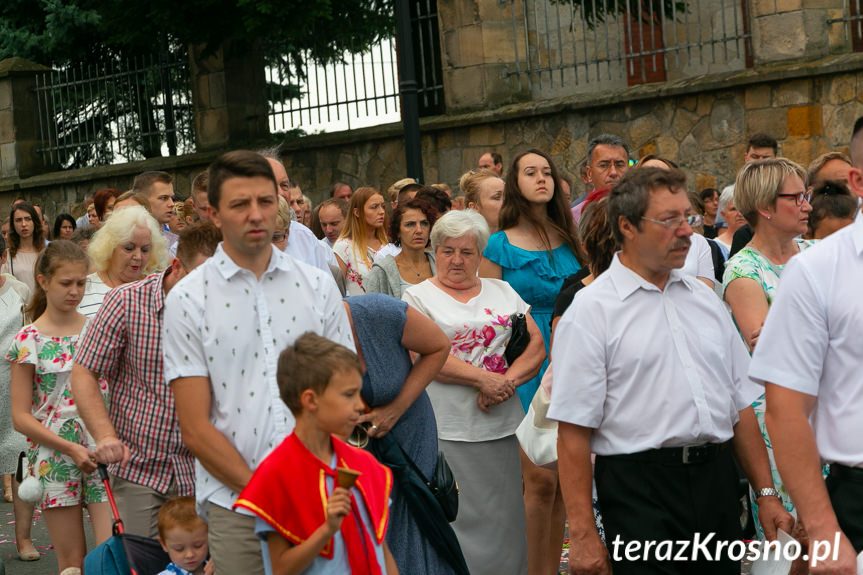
{"type": "Point", "coordinates": [591, 44]}
{"type": "Point", "coordinates": [363, 88]}
{"type": "Point", "coordinates": [852, 23]}
{"type": "Point", "coordinates": [116, 111]}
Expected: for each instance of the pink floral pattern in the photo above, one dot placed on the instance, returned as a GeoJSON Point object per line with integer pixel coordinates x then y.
{"type": "Point", "coordinates": [482, 345]}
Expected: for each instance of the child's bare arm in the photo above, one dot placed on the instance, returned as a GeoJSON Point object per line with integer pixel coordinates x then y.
{"type": "Point", "coordinates": [390, 561]}
{"type": "Point", "coordinates": [287, 559]}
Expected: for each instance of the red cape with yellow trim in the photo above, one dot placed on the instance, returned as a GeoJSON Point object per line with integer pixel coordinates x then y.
{"type": "Point", "coordinates": [288, 489]}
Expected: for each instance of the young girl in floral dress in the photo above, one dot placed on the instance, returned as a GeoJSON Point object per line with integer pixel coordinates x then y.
{"type": "Point", "coordinates": [60, 452]}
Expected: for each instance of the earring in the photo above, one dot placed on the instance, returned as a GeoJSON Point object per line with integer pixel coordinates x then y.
{"type": "Point", "coordinates": [769, 217]}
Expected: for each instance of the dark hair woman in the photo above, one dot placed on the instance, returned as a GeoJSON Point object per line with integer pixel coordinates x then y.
{"type": "Point", "coordinates": [534, 252]}
{"type": "Point", "coordinates": [64, 227]}
{"type": "Point", "coordinates": [26, 241]}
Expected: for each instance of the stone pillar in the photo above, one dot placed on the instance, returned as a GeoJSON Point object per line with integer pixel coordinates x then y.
{"type": "Point", "coordinates": [19, 119]}
{"type": "Point", "coordinates": [792, 29]}
{"type": "Point", "coordinates": [229, 97]}
{"type": "Point", "coordinates": [478, 51]}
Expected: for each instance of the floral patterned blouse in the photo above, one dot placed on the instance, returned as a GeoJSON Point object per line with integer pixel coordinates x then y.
{"type": "Point", "coordinates": [357, 268]}
{"type": "Point", "coordinates": [478, 332]}
{"type": "Point", "coordinates": [52, 394]}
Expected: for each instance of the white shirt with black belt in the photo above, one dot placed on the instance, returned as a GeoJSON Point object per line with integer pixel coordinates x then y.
{"type": "Point", "coordinates": [812, 340]}
{"type": "Point", "coordinates": [649, 368]}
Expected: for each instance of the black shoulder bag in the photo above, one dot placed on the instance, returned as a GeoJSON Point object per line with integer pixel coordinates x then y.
{"type": "Point", "coordinates": [518, 340]}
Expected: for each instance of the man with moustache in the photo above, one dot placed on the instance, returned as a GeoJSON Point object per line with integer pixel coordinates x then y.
{"type": "Point", "coordinates": [650, 374]}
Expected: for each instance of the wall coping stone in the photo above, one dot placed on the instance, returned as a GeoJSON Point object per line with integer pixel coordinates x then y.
{"type": "Point", "coordinates": [20, 67]}
{"type": "Point", "coordinates": [779, 72]}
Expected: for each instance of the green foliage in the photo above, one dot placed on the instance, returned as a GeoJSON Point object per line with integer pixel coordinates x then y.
{"type": "Point", "coordinates": [62, 32]}
{"type": "Point", "coordinates": [596, 11]}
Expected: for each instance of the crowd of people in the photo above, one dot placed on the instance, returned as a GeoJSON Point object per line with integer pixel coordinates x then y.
{"type": "Point", "coordinates": [278, 387]}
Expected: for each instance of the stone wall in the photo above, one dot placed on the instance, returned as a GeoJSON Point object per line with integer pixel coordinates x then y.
{"type": "Point", "coordinates": [702, 124]}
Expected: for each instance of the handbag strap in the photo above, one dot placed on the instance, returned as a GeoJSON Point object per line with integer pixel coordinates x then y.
{"type": "Point", "coordinates": [413, 465]}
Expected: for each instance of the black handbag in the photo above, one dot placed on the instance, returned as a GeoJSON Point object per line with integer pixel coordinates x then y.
{"type": "Point", "coordinates": [442, 484]}
{"type": "Point", "coordinates": [518, 340]}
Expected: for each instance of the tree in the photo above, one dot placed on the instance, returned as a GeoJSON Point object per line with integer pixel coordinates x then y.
{"type": "Point", "coordinates": [103, 34]}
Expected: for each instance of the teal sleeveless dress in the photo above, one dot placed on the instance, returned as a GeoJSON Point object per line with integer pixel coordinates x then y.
{"type": "Point", "coordinates": [537, 277]}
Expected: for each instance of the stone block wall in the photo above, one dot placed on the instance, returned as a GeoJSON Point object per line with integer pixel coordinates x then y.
{"type": "Point", "coordinates": [702, 125]}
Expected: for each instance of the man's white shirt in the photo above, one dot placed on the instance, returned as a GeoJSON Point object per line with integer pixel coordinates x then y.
{"type": "Point", "coordinates": [812, 339]}
{"type": "Point", "coordinates": [303, 245]}
{"type": "Point", "coordinates": [223, 323]}
{"type": "Point", "coordinates": [649, 368]}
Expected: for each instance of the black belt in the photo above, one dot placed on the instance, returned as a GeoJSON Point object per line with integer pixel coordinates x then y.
{"type": "Point", "coordinates": [845, 473]}
{"type": "Point", "coordinates": [675, 455]}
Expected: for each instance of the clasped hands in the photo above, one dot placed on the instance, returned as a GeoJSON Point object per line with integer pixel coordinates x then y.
{"type": "Point", "coordinates": [494, 389]}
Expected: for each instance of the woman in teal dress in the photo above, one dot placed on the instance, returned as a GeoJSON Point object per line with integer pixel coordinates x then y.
{"type": "Point", "coordinates": [534, 252]}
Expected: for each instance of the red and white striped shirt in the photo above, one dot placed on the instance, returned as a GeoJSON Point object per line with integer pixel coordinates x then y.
{"type": "Point", "coordinates": [124, 343]}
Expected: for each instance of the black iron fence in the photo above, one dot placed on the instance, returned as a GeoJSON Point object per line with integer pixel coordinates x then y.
{"type": "Point", "coordinates": [360, 90]}
{"type": "Point", "coordinates": [613, 43]}
{"type": "Point", "coordinates": [116, 111]}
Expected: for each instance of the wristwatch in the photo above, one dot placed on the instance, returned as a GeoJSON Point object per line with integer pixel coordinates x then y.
{"type": "Point", "coordinates": [767, 492]}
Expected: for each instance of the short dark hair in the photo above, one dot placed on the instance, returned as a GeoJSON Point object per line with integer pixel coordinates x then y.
{"type": "Point", "coordinates": [831, 200]}
{"type": "Point", "coordinates": [310, 364]}
{"type": "Point", "coordinates": [315, 223]}
{"type": "Point", "coordinates": [336, 186]}
{"type": "Point", "coordinates": [762, 141]}
{"type": "Point", "coordinates": [439, 199]}
{"type": "Point", "coordinates": [237, 164]}
{"type": "Point", "coordinates": [496, 158]}
{"type": "Point", "coordinates": [58, 221]}
{"type": "Point", "coordinates": [143, 181]}
{"type": "Point", "coordinates": [414, 204]}
{"type": "Point", "coordinates": [199, 238]}
{"type": "Point", "coordinates": [606, 140]}
{"type": "Point", "coordinates": [707, 193]}
{"type": "Point", "coordinates": [631, 196]}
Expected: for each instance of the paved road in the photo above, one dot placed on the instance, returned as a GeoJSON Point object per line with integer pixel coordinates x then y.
{"type": "Point", "coordinates": [47, 565]}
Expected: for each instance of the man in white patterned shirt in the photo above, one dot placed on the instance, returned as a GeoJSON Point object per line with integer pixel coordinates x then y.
{"type": "Point", "coordinates": [225, 326]}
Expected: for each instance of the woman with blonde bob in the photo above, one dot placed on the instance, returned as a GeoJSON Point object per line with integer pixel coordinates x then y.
{"type": "Point", "coordinates": [772, 196]}
{"type": "Point", "coordinates": [127, 247]}
{"type": "Point", "coordinates": [362, 237]}
{"type": "Point", "coordinates": [483, 193]}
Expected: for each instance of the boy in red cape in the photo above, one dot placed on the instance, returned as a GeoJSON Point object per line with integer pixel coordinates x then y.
{"type": "Point", "coordinates": [308, 523]}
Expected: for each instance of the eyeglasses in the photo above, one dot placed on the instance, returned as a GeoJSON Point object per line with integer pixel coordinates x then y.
{"type": "Point", "coordinates": [798, 197]}
{"type": "Point", "coordinates": [605, 165]}
{"type": "Point", "coordinates": [278, 237]}
{"type": "Point", "coordinates": [694, 221]}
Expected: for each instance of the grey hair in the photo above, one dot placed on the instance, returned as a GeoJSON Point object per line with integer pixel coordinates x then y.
{"type": "Point", "coordinates": [727, 197]}
{"type": "Point", "coordinates": [631, 197]}
{"type": "Point", "coordinates": [606, 140]}
{"type": "Point", "coordinates": [275, 153]}
{"type": "Point", "coordinates": [459, 223]}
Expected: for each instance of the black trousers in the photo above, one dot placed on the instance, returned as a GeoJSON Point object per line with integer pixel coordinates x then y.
{"type": "Point", "coordinates": [845, 487]}
{"type": "Point", "coordinates": [646, 501]}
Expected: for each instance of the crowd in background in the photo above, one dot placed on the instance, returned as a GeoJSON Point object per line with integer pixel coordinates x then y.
{"type": "Point", "coordinates": [153, 327]}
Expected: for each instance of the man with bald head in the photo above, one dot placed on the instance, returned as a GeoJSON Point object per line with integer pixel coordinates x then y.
{"type": "Point", "coordinates": [302, 242]}
{"type": "Point", "coordinates": [808, 359]}
{"type": "Point", "coordinates": [491, 161]}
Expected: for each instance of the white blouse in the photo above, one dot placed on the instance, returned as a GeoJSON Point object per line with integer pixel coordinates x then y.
{"type": "Point", "coordinates": [478, 332]}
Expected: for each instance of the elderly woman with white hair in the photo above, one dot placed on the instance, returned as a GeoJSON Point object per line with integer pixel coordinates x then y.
{"type": "Point", "coordinates": [473, 396]}
{"type": "Point", "coordinates": [733, 218]}
{"type": "Point", "coordinates": [127, 247]}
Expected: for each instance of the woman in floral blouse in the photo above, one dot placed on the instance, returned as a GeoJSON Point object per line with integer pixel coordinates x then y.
{"type": "Point", "coordinates": [61, 453]}
{"type": "Point", "coordinates": [473, 397]}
